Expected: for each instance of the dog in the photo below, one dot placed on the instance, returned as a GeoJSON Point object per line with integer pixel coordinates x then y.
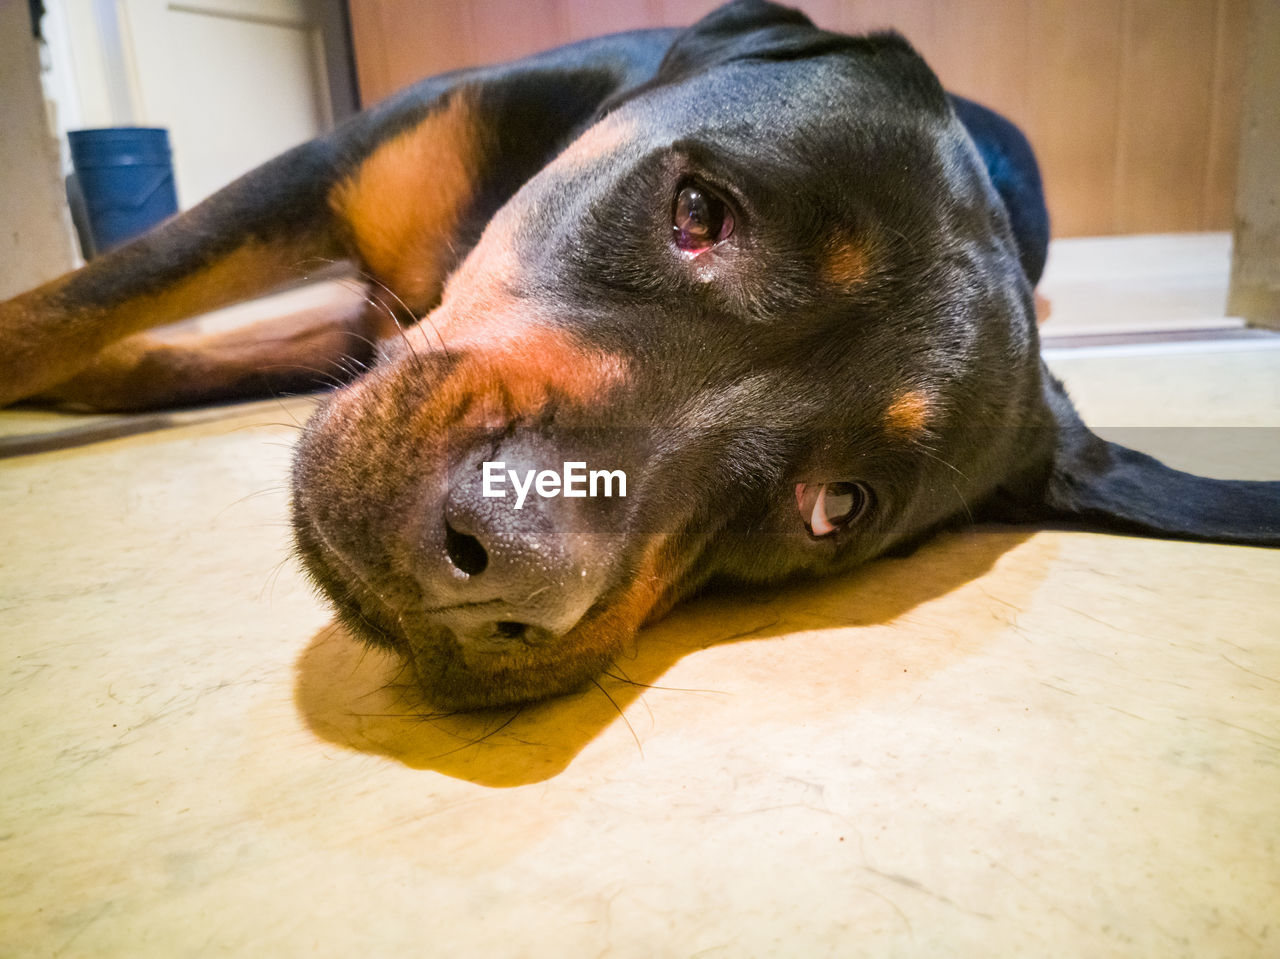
{"type": "Point", "coordinates": [773, 281]}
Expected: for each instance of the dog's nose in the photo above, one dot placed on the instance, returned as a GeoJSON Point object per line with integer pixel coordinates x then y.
{"type": "Point", "coordinates": [512, 574]}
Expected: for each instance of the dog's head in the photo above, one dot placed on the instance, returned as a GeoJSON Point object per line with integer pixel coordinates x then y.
{"type": "Point", "coordinates": [774, 292]}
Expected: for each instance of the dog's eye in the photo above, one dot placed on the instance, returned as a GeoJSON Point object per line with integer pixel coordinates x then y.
{"type": "Point", "coordinates": [699, 219]}
{"type": "Point", "coordinates": [826, 507]}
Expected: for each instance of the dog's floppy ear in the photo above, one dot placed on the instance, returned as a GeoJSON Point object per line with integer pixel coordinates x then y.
{"type": "Point", "coordinates": [741, 30]}
{"type": "Point", "coordinates": [1082, 479]}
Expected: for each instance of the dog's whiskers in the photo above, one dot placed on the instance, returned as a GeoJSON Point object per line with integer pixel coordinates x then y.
{"type": "Point", "coordinates": [614, 703]}
{"type": "Point", "coordinates": [324, 375]}
{"type": "Point", "coordinates": [411, 314]}
{"type": "Point", "coordinates": [959, 472]}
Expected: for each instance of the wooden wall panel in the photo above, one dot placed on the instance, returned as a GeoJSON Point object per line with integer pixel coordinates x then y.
{"type": "Point", "coordinates": [1227, 104]}
{"type": "Point", "coordinates": [512, 28]}
{"type": "Point", "coordinates": [610, 16]}
{"type": "Point", "coordinates": [1165, 96]}
{"type": "Point", "coordinates": [677, 13]}
{"type": "Point", "coordinates": [1074, 110]}
{"type": "Point", "coordinates": [1133, 106]}
{"type": "Point", "coordinates": [1255, 252]}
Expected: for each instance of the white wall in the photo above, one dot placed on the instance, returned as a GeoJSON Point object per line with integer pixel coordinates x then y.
{"type": "Point", "coordinates": [35, 229]}
{"type": "Point", "coordinates": [235, 81]}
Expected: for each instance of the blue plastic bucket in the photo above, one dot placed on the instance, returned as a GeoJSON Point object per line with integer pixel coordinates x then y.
{"type": "Point", "coordinates": [125, 175]}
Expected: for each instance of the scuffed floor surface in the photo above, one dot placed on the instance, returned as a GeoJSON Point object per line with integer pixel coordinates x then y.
{"type": "Point", "coordinates": [1012, 743]}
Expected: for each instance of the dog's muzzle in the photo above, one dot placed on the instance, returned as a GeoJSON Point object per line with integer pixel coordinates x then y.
{"type": "Point", "coordinates": [495, 585]}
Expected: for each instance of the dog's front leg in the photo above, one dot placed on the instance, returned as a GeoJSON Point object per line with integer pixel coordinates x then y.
{"type": "Point", "coordinates": [262, 231]}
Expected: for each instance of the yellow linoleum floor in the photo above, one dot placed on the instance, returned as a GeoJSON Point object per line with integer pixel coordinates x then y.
{"type": "Point", "coordinates": [1011, 743]}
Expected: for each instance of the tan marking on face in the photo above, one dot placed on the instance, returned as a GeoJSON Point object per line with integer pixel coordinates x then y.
{"type": "Point", "coordinates": [908, 415]}
{"type": "Point", "coordinates": [845, 261]}
{"type": "Point", "coordinates": [646, 598]}
{"type": "Point", "coordinates": [511, 371]}
{"type": "Point", "coordinates": [405, 201]}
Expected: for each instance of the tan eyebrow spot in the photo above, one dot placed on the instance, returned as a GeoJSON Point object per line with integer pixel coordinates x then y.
{"type": "Point", "coordinates": [845, 261]}
{"type": "Point", "coordinates": [404, 202]}
{"type": "Point", "coordinates": [908, 414]}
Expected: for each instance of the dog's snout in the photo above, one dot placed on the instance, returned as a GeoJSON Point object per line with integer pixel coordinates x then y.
{"type": "Point", "coordinates": [486, 535]}
{"type": "Point", "coordinates": [504, 569]}
{"type": "Point", "coordinates": [494, 548]}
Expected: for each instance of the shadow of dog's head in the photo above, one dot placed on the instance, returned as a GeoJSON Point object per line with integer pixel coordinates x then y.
{"type": "Point", "coordinates": [766, 316]}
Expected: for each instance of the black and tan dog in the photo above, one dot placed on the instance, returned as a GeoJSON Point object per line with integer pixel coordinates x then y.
{"type": "Point", "coordinates": [775, 276]}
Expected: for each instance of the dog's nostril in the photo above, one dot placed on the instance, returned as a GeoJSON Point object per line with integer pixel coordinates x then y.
{"type": "Point", "coordinates": [465, 552]}
{"type": "Point", "coordinates": [511, 630]}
